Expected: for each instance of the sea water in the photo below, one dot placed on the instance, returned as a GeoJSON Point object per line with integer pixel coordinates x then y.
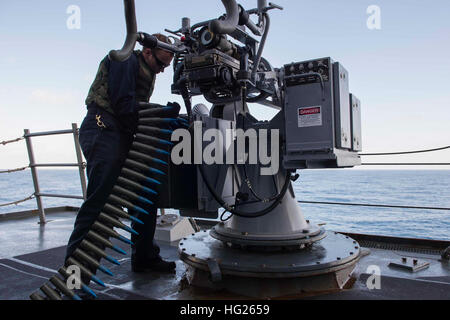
{"type": "Point", "coordinates": [416, 188]}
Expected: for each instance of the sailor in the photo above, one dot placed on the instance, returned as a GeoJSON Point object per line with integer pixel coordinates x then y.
{"type": "Point", "coordinates": [106, 134]}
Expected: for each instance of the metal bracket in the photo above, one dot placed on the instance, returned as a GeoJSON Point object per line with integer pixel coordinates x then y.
{"type": "Point", "coordinates": [214, 268]}
{"type": "Point", "coordinates": [410, 264]}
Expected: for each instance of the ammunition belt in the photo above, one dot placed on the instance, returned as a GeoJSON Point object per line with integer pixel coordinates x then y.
{"type": "Point", "coordinates": [133, 190]}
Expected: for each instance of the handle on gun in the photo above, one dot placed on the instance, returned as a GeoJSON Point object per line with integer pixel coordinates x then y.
{"type": "Point", "coordinates": [132, 35]}
{"type": "Point", "coordinates": [228, 25]}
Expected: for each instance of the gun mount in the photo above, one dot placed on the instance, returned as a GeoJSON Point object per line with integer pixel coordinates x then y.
{"type": "Point", "coordinates": [317, 126]}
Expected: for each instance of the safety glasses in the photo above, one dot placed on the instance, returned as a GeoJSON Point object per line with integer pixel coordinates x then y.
{"type": "Point", "coordinates": [160, 63]}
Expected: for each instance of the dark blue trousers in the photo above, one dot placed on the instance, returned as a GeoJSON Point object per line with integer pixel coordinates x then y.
{"type": "Point", "coordinates": [105, 150]}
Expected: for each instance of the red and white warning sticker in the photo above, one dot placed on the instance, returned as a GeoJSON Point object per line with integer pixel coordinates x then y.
{"type": "Point", "coordinates": [309, 116]}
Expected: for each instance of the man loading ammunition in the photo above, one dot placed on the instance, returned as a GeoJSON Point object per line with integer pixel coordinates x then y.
{"type": "Point", "coordinates": [106, 134]}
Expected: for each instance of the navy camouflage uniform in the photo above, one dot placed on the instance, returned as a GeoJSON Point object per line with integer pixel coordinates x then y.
{"type": "Point", "coordinates": [106, 134]}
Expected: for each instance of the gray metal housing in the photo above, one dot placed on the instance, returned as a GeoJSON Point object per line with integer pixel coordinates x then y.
{"type": "Point", "coordinates": [317, 116]}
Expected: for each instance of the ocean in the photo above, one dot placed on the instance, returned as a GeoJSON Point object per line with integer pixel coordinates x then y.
{"type": "Point", "coordinates": [424, 188]}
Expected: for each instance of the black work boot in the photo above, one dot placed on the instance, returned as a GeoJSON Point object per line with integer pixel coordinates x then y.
{"type": "Point", "coordinates": [157, 264]}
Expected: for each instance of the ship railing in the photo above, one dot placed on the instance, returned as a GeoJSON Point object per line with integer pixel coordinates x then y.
{"type": "Point", "coordinates": [38, 195]}
{"type": "Point", "coordinates": [33, 166]}
{"type": "Point", "coordinates": [82, 165]}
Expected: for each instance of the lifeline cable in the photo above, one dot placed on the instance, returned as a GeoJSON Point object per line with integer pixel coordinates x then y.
{"type": "Point", "coordinates": [133, 190]}
{"type": "Point", "coordinates": [17, 201]}
{"type": "Point", "coordinates": [14, 170]}
{"type": "Point", "coordinates": [403, 152]}
{"type": "Point", "coordinates": [372, 205]}
{"type": "Point", "coordinates": [10, 141]}
{"type": "Point", "coordinates": [406, 164]}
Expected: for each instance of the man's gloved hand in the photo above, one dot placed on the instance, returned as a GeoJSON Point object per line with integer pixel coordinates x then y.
{"type": "Point", "coordinates": [162, 115]}
{"type": "Point", "coordinates": [180, 122]}
{"type": "Point", "coordinates": [174, 105]}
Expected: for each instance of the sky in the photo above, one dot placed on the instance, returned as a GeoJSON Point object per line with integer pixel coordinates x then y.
{"type": "Point", "coordinates": [400, 71]}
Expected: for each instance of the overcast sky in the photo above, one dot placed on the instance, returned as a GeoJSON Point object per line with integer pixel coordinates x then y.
{"type": "Point", "coordinates": [400, 72]}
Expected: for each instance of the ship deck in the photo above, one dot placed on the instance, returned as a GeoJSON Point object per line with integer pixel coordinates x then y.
{"type": "Point", "coordinates": [31, 253]}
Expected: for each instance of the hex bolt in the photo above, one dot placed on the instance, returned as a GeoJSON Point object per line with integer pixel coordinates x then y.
{"type": "Point", "coordinates": [404, 260]}
{"type": "Point", "coordinates": [415, 261]}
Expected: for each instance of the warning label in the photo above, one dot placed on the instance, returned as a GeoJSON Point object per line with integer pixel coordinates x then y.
{"type": "Point", "coordinates": [309, 116]}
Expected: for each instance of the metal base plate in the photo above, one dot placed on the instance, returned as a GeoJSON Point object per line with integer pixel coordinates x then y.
{"type": "Point", "coordinates": [324, 266]}
{"type": "Point", "coordinates": [328, 255]}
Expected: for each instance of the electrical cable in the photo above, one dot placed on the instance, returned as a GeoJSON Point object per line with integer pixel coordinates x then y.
{"type": "Point", "coordinates": [243, 214]}
{"type": "Point", "coordinates": [247, 180]}
{"type": "Point", "coordinates": [222, 203]}
{"type": "Point", "coordinates": [228, 218]}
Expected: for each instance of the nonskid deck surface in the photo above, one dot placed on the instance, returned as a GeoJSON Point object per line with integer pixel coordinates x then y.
{"type": "Point", "coordinates": [31, 254]}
